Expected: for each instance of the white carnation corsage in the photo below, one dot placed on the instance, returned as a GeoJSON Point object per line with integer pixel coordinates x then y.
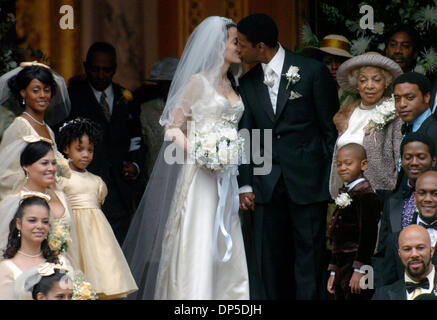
{"type": "Point", "coordinates": [293, 77]}
{"type": "Point", "coordinates": [343, 200]}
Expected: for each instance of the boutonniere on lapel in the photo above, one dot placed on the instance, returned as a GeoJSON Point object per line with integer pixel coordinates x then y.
{"type": "Point", "coordinates": [126, 97]}
{"type": "Point", "coordinates": [293, 77]}
{"type": "Point", "coordinates": [343, 200]}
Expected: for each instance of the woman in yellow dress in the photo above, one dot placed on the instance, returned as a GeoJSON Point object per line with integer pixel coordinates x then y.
{"type": "Point", "coordinates": [43, 95]}
{"type": "Point", "coordinates": [101, 258]}
{"type": "Point", "coordinates": [38, 161]}
{"type": "Point", "coordinates": [27, 245]}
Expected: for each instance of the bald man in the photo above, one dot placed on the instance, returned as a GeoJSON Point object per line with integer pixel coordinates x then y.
{"type": "Point", "coordinates": [426, 202]}
{"type": "Point", "coordinates": [415, 252]}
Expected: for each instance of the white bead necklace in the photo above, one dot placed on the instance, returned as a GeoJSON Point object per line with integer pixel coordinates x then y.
{"type": "Point", "coordinates": [43, 123]}
{"type": "Point", "coordinates": [30, 255]}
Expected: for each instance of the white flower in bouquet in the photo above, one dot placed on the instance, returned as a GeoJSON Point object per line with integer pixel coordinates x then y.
{"type": "Point", "coordinates": [230, 134]}
{"type": "Point", "coordinates": [343, 200]}
{"type": "Point", "coordinates": [209, 141]}
{"type": "Point", "coordinates": [383, 113]}
{"type": "Point", "coordinates": [218, 148]}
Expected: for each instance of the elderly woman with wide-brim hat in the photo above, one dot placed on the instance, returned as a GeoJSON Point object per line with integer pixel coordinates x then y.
{"type": "Point", "coordinates": [362, 121]}
{"type": "Point", "coordinates": [333, 51]}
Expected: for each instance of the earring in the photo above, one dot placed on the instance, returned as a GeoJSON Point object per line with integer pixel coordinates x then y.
{"type": "Point", "coordinates": [19, 234]}
{"type": "Point", "coordinates": [24, 102]}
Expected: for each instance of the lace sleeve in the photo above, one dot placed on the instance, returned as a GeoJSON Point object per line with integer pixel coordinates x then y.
{"type": "Point", "coordinates": [176, 129]}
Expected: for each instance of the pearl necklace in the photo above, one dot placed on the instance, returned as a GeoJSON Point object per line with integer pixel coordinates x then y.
{"type": "Point", "coordinates": [30, 255]}
{"type": "Point", "coordinates": [39, 122]}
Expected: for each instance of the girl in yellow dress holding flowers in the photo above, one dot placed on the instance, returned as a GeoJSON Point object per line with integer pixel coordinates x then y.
{"type": "Point", "coordinates": [101, 258]}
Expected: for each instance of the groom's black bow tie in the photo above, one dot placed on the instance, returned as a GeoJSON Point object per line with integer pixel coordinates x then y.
{"type": "Point", "coordinates": [406, 128]}
{"type": "Point", "coordinates": [428, 226]}
{"type": "Point", "coordinates": [411, 286]}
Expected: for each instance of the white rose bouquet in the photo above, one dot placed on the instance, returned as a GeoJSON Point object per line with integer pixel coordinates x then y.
{"type": "Point", "coordinates": [383, 113]}
{"type": "Point", "coordinates": [217, 147]}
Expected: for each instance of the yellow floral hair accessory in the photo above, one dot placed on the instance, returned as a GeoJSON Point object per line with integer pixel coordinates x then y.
{"type": "Point", "coordinates": [33, 138]}
{"type": "Point", "coordinates": [33, 63]}
{"type": "Point", "coordinates": [48, 268]}
{"type": "Point", "coordinates": [29, 194]}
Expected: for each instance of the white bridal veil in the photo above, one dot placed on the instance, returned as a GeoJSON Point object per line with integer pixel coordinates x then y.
{"type": "Point", "coordinates": [59, 107]}
{"type": "Point", "coordinates": [203, 54]}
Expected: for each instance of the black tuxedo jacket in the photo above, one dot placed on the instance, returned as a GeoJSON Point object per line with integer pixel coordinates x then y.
{"type": "Point", "coordinates": [303, 132]}
{"type": "Point", "coordinates": [117, 134]}
{"type": "Point", "coordinates": [429, 128]}
{"type": "Point", "coordinates": [394, 291]}
{"type": "Point", "coordinates": [392, 214]}
{"type": "Point", "coordinates": [391, 268]}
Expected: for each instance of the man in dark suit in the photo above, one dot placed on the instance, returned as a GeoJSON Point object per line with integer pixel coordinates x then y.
{"type": "Point", "coordinates": [118, 158]}
{"type": "Point", "coordinates": [412, 92]}
{"type": "Point", "coordinates": [402, 45]}
{"type": "Point", "coordinates": [418, 155]}
{"type": "Point", "coordinates": [426, 202]}
{"type": "Point", "coordinates": [294, 112]}
{"type": "Point", "coordinates": [415, 252]}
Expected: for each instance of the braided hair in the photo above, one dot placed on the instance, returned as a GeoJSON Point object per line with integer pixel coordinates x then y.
{"type": "Point", "coordinates": [76, 129]}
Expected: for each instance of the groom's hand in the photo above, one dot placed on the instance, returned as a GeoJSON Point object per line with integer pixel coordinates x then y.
{"type": "Point", "coordinates": [247, 201]}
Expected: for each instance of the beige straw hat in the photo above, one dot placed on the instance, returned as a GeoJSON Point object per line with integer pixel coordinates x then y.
{"type": "Point", "coordinates": [334, 44]}
{"type": "Point", "coordinates": [370, 59]}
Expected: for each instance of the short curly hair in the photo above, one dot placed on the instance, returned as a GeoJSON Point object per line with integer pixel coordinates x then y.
{"type": "Point", "coordinates": [76, 129]}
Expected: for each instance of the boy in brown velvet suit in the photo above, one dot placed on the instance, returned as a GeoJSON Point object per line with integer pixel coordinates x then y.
{"type": "Point", "coordinates": [354, 226]}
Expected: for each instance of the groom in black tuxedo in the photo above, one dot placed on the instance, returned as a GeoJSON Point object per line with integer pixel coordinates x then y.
{"type": "Point", "coordinates": [119, 157]}
{"type": "Point", "coordinates": [286, 248]}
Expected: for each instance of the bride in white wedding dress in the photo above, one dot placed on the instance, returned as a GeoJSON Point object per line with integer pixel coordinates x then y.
{"type": "Point", "coordinates": [185, 240]}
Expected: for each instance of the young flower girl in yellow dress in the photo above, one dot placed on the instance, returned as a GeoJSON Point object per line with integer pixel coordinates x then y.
{"type": "Point", "coordinates": [101, 258]}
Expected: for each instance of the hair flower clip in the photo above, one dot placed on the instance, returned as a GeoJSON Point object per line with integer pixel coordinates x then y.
{"type": "Point", "coordinates": [29, 194]}
{"type": "Point", "coordinates": [48, 268]}
{"type": "Point", "coordinates": [33, 63]}
{"type": "Point", "coordinates": [34, 138]}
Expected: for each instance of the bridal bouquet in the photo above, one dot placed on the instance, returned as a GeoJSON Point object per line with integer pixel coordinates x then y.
{"type": "Point", "coordinates": [59, 236]}
{"type": "Point", "coordinates": [217, 147]}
